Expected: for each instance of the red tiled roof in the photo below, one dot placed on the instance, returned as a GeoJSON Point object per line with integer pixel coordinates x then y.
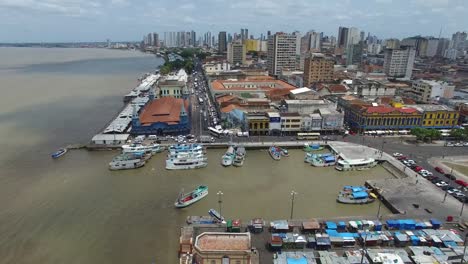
{"type": "Point", "coordinates": [408, 101]}
{"type": "Point", "coordinates": [229, 108]}
{"type": "Point", "coordinates": [166, 110]}
{"type": "Point", "coordinates": [337, 88]}
{"type": "Point", "coordinates": [219, 84]}
{"type": "Point", "coordinates": [387, 109]}
{"type": "Point", "coordinates": [225, 98]}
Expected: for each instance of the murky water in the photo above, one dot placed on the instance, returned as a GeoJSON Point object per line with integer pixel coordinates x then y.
{"type": "Point", "coordinates": [74, 210]}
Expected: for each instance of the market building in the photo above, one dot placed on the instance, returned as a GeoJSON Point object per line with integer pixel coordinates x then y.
{"type": "Point", "coordinates": [220, 248]}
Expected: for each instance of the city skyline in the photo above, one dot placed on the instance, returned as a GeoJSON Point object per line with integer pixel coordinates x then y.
{"type": "Point", "coordinates": [120, 20]}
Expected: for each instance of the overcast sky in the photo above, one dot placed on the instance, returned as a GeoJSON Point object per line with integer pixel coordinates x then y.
{"type": "Point", "coordinates": [119, 20]}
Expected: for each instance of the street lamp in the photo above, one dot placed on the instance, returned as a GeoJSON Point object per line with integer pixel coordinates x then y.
{"type": "Point", "coordinates": [293, 195]}
{"type": "Point", "coordinates": [220, 200]}
{"type": "Point", "coordinates": [364, 251]}
{"type": "Point", "coordinates": [450, 181]}
{"type": "Point", "coordinates": [464, 250]}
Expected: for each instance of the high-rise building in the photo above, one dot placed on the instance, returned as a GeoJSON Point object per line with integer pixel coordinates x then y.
{"type": "Point", "coordinates": [236, 53]}
{"type": "Point", "coordinates": [282, 52]}
{"type": "Point", "coordinates": [193, 37]}
{"type": "Point", "coordinates": [353, 36]}
{"type": "Point", "coordinates": [229, 38]}
{"type": "Point", "coordinates": [443, 46]}
{"type": "Point", "coordinates": [222, 42]}
{"type": "Point", "coordinates": [246, 32]}
{"type": "Point", "coordinates": [317, 68]}
{"type": "Point", "coordinates": [392, 44]}
{"type": "Point", "coordinates": [418, 43]}
{"type": "Point", "coordinates": [432, 47]}
{"type": "Point", "coordinates": [354, 53]}
{"type": "Point", "coordinates": [310, 42]}
{"type": "Point", "coordinates": [363, 36]}
{"type": "Point", "coordinates": [398, 63]}
{"type": "Point", "coordinates": [374, 48]}
{"type": "Point", "coordinates": [342, 37]}
{"type": "Point", "coordinates": [458, 41]}
{"type": "Point", "coordinates": [242, 34]}
{"type": "Point", "coordinates": [149, 39]}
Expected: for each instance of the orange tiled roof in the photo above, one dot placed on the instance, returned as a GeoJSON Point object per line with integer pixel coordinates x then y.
{"type": "Point", "coordinates": [219, 84]}
{"type": "Point", "coordinates": [229, 108]}
{"type": "Point", "coordinates": [387, 109]}
{"type": "Point", "coordinates": [225, 98]}
{"type": "Point", "coordinates": [337, 88]}
{"type": "Point", "coordinates": [166, 110]}
{"type": "Point", "coordinates": [226, 242]}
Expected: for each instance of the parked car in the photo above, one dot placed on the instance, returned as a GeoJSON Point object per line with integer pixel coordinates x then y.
{"type": "Point", "coordinates": [435, 179]}
{"type": "Point", "coordinates": [401, 158]}
{"type": "Point", "coordinates": [439, 170]}
{"type": "Point", "coordinates": [441, 184]}
{"type": "Point", "coordinates": [459, 144]}
{"type": "Point", "coordinates": [417, 168]}
{"type": "Point", "coordinates": [450, 176]}
{"type": "Point", "coordinates": [428, 173]}
{"type": "Point", "coordinates": [452, 190]}
{"type": "Point", "coordinates": [450, 144]}
{"type": "Point", "coordinates": [411, 162]}
{"type": "Point", "coordinates": [396, 154]}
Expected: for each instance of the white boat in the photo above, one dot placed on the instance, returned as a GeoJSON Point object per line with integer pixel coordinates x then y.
{"type": "Point", "coordinates": [356, 164]}
{"type": "Point", "coordinates": [185, 155]}
{"type": "Point", "coordinates": [228, 157]}
{"type": "Point", "coordinates": [139, 148]}
{"type": "Point", "coordinates": [126, 161]}
{"type": "Point", "coordinates": [240, 157]}
{"type": "Point", "coordinates": [320, 160]}
{"type": "Point", "coordinates": [186, 164]}
{"type": "Point", "coordinates": [185, 147]}
{"type": "Point", "coordinates": [186, 199]}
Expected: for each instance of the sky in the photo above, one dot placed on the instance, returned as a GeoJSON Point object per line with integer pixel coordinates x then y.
{"type": "Point", "coordinates": [129, 20]}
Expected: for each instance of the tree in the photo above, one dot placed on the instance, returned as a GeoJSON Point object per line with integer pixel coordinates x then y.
{"type": "Point", "coordinates": [459, 133]}
{"type": "Point", "coordinates": [419, 132]}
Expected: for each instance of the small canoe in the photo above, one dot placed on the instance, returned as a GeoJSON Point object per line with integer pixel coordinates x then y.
{"type": "Point", "coordinates": [59, 153]}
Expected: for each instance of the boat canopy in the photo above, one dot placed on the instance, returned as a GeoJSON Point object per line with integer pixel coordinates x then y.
{"type": "Point", "coordinates": [360, 195]}
{"type": "Point", "coordinates": [355, 188]}
{"type": "Point", "coordinates": [329, 159]}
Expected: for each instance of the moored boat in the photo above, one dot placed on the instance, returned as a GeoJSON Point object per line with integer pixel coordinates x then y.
{"type": "Point", "coordinates": [59, 153]}
{"type": "Point", "coordinates": [139, 148]}
{"type": "Point", "coordinates": [228, 157]}
{"type": "Point", "coordinates": [284, 152]}
{"type": "Point", "coordinates": [187, 199]}
{"type": "Point", "coordinates": [312, 147]}
{"type": "Point", "coordinates": [275, 153]}
{"type": "Point", "coordinates": [216, 215]}
{"type": "Point", "coordinates": [186, 164]}
{"type": "Point", "coordinates": [126, 161]}
{"type": "Point", "coordinates": [355, 195]}
{"type": "Point", "coordinates": [240, 157]}
{"type": "Point", "coordinates": [320, 160]}
{"type": "Point", "coordinates": [356, 164]}
{"type": "Point", "coordinates": [256, 225]}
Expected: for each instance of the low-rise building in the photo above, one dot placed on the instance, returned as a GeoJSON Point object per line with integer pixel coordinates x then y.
{"type": "Point", "coordinates": [216, 67]}
{"type": "Point", "coordinates": [258, 123]}
{"type": "Point", "coordinates": [426, 91]}
{"type": "Point", "coordinates": [303, 93]}
{"type": "Point", "coordinates": [362, 117]}
{"type": "Point", "coordinates": [437, 116]}
{"type": "Point", "coordinates": [290, 123]}
{"type": "Point", "coordinates": [220, 248]}
{"type": "Point", "coordinates": [368, 88]}
{"type": "Point", "coordinates": [167, 115]}
{"type": "Point", "coordinates": [275, 123]}
{"type": "Point", "coordinates": [173, 85]}
{"type": "Point", "coordinates": [293, 77]}
{"type": "Point", "coordinates": [257, 86]}
{"type": "Point", "coordinates": [311, 122]}
{"type": "Point", "coordinates": [332, 120]}
{"type": "Point", "coordinates": [332, 89]}
{"type": "Point", "coordinates": [305, 107]}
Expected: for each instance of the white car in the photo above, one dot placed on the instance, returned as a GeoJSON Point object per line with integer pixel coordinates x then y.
{"type": "Point", "coordinates": [465, 144]}
{"type": "Point", "coordinates": [423, 174]}
{"type": "Point", "coordinates": [458, 144]}
{"type": "Point", "coordinates": [453, 191]}
{"type": "Point", "coordinates": [396, 154]}
{"type": "Point", "coordinates": [412, 162]}
{"type": "Point", "coordinates": [441, 184]}
{"type": "Point", "coordinates": [450, 144]}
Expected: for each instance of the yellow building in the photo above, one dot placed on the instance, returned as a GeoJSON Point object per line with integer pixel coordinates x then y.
{"type": "Point", "coordinates": [259, 124]}
{"type": "Point", "coordinates": [220, 248]}
{"type": "Point", "coordinates": [252, 44]}
{"type": "Point", "coordinates": [437, 116]}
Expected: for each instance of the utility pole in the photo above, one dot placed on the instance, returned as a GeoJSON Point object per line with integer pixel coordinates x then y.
{"type": "Point", "coordinates": [364, 251]}
{"type": "Point", "coordinates": [293, 196]}
{"type": "Point", "coordinates": [464, 250]}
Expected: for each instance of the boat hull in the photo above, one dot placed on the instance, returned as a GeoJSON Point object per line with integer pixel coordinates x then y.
{"type": "Point", "coordinates": [186, 167]}
{"type": "Point", "coordinates": [274, 155]}
{"type": "Point", "coordinates": [344, 200]}
{"type": "Point", "coordinates": [124, 166]}
{"type": "Point", "coordinates": [59, 153]}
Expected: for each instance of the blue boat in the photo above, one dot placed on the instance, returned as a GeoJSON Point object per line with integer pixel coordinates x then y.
{"type": "Point", "coordinates": [59, 153]}
{"type": "Point", "coordinates": [216, 215]}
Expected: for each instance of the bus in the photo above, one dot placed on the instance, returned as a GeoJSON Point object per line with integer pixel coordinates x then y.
{"type": "Point", "coordinates": [215, 132]}
{"type": "Point", "coordinates": [310, 136]}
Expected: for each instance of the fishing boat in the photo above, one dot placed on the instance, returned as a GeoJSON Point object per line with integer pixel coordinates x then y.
{"type": "Point", "coordinates": [186, 164]}
{"type": "Point", "coordinates": [228, 157]}
{"type": "Point", "coordinates": [312, 147]}
{"type": "Point", "coordinates": [355, 164]}
{"type": "Point", "coordinates": [216, 215]}
{"type": "Point", "coordinates": [240, 157]}
{"type": "Point", "coordinates": [186, 199]}
{"type": "Point", "coordinates": [59, 153]}
{"type": "Point", "coordinates": [355, 195]}
{"type": "Point", "coordinates": [126, 161]}
{"type": "Point", "coordinates": [275, 152]}
{"type": "Point", "coordinates": [320, 160]}
{"type": "Point", "coordinates": [284, 152]}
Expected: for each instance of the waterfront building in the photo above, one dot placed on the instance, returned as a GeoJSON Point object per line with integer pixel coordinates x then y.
{"type": "Point", "coordinates": [282, 52]}
{"type": "Point", "coordinates": [290, 123]}
{"type": "Point", "coordinates": [275, 123]}
{"type": "Point", "coordinates": [173, 85]}
{"type": "Point", "coordinates": [427, 90]}
{"type": "Point", "coordinates": [220, 248]}
{"type": "Point", "coordinates": [304, 107]}
{"type": "Point", "coordinates": [318, 68]}
{"type": "Point", "coordinates": [233, 115]}
{"type": "Point", "coordinates": [236, 53]}
{"type": "Point", "coordinates": [370, 88]}
{"type": "Point", "coordinates": [258, 123]}
{"type": "Point", "coordinates": [311, 122]}
{"type": "Point", "coordinates": [332, 120]}
{"type": "Point", "coordinates": [398, 63]}
{"type": "Point", "coordinates": [437, 116]}
{"type": "Point", "coordinates": [222, 42]}
{"type": "Point", "coordinates": [361, 117]}
{"type": "Point", "coordinates": [167, 115]}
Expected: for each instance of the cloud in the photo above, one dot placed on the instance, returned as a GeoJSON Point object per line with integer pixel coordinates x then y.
{"type": "Point", "coordinates": [63, 7]}
{"type": "Point", "coordinates": [188, 6]}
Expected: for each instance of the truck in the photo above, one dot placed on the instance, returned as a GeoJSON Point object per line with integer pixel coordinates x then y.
{"type": "Point", "coordinates": [206, 139]}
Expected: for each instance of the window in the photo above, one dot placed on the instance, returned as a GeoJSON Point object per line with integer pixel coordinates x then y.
{"type": "Point", "coordinates": [238, 262]}
{"type": "Point", "coordinates": [213, 261]}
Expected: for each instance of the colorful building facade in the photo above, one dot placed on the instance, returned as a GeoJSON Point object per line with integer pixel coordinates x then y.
{"type": "Point", "coordinates": [437, 116]}
{"type": "Point", "coordinates": [258, 123]}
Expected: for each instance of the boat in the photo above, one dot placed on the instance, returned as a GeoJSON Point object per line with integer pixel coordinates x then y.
{"type": "Point", "coordinates": [256, 225]}
{"type": "Point", "coordinates": [216, 215]}
{"type": "Point", "coordinates": [355, 164]}
{"type": "Point", "coordinates": [228, 157]}
{"type": "Point", "coordinates": [59, 153]}
{"type": "Point", "coordinates": [240, 157]}
{"type": "Point", "coordinates": [275, 152]}
{"type": "Point", "coordinates": [312, 147]}
{"type": "Point", "coordinates": [182, 155]}
{"type": "Point", "coordinates": [194, 196]}
{"type": "Point", "coordinates": [126, 161]}
{"type": "Point", "coordinates": [186, 164]}
{"type": "Point", "coordinates": [139, 148]}
{"type": "Point", "coordinates": [320, 160]}
{"type": "Point", "coordinates": [355, 195]}
{"type": "Point", "coordinates": [284, 152]}
{"type": "Point", "coordinates": [185, 147]}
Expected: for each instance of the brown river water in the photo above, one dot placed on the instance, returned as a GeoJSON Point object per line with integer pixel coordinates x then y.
{"type": "Point", "coordinates": [74, 210]}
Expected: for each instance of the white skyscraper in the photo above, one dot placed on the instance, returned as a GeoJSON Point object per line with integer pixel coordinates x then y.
{"type": "Point", "coordinates": [282, 52]}
{"type": "Point", "coordinates": [432, 47]}
{"type": "Point", "coordinates": [398, 63]}
{"type": "Point", "coordinates": [354, 36]}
